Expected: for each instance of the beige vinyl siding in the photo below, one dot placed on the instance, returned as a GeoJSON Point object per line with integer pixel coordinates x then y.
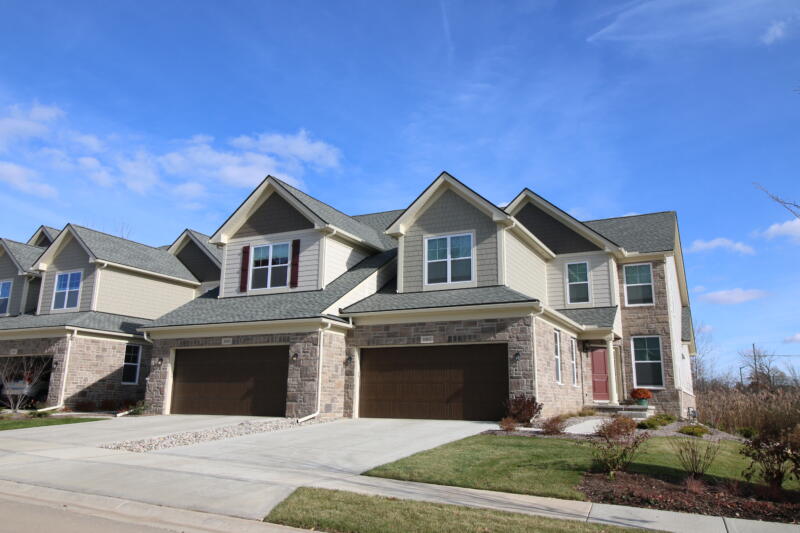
{"type": "Point", "coordinates": [70, 258]}
{"type": "Point", "coordinates": [449, 213]}
{"type": "Point", "coordinates": [9, 272]}
{"type": "Point", "coordinates": [366, 288]}
{"type": "Point", "coordinates": [308, 273]}
{"type": "Point", "coordinates": [526, 271]}
{"type": "Point", "coordinates": [127, 293]}
{"type": "Point", "coordinates": [339, 258]}
{"type": "Point", "coordinates": [599, 280]}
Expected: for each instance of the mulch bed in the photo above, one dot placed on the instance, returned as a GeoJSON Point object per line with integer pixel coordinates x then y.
{"type": "Point", "coordinates": [735, 500]}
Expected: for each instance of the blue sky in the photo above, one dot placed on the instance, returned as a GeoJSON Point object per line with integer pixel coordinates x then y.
{"type": "Point", "coordinates": [149, 117]}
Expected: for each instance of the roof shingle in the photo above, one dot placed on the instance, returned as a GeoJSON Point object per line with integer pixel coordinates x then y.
{"type": "Point", "coordinates": [86, 319]}
{"type": "Point", "coordinates": [602, 317]}
{"type": "Point", "coordinates": [653, 232]}
{"type": "Point", "coordinates": [25, 254]}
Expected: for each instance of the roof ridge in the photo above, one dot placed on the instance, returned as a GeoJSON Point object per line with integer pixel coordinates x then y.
{"type": "Point", "coordinates": [631, 216]}
{"type": "Point", "coordinates": [315, 198]}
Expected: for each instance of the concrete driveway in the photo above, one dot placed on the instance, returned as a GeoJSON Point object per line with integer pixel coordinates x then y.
{"type": "Point", "coordinates": [244, 476]}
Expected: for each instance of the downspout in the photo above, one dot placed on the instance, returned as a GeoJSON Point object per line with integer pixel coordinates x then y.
{"type": "Point", "coordinates": [62, 394]}
{"type": "Point", "coordinates": [319, 378]}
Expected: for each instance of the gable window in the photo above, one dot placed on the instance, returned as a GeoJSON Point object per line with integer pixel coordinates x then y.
{"type": "Point", "coordinates": [448, 259]}
{"type": "Point", "coordinates": [5, 296]}
{"type": "Point", "coordinates": [557, 351]}
{"type": "Point", "coordinates": [647, 364]}
{"type": "Point", "coordinates": [270, 266]}
{"type": "Point", "coordinates": [130, 368]}
{"type": "Point", "coordinates": [68, 289]}
{"type": "Point", "coordinates": [573, 346]}
{"type": "Point", "coordinates": [578, 283]}
{"type": "Point", "coordinates": [639, 284]}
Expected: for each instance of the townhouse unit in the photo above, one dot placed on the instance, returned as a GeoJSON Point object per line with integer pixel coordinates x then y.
{"type": "Point", "coordinates": [441, 310]}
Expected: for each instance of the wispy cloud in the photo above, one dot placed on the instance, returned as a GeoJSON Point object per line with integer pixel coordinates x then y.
{"type": "Point", "coordinates": [775, 32]}
{"type": "Point", "coordinates": [24, 179]}
{"type": "Point", "coordinates": [793, 338]}
{"type": "Point", "coordinates": [705, 328]}
{"type": "Point", "coordinates": [723, 243]}
{"type": "Point", "coordinates": [699, 288]}
{"type": "Point", "coordinates": [732, 296]}
{"type": "Point", "coordinates": [789, 229]}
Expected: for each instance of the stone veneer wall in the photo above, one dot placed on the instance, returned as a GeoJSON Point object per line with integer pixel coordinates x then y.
{"type": "Point", "coordinates": [557, 397]}
{"type": "Point", "coordinates": [301, 396]}
{"type": "Point", "coordinates": [334, 355]}
{"type": "Point", "coordinates": [53, 346]}
{"type": "Point", "coordinates": [516, 332]}
{"type": "Point", "coordinates": [650, 320]}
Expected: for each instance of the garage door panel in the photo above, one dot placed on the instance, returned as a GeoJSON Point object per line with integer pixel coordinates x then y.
{"type": "Point", "coordinates": [436, 382]}
{"type": "Point", "coordinates": [231, 381]}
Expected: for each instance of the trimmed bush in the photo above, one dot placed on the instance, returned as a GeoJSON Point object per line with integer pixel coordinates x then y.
{"type": "Point", "coordinates": [656, 421]}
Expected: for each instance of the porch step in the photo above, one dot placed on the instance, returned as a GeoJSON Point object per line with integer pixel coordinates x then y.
{"type": "Point", "coordinates": [637, 412]}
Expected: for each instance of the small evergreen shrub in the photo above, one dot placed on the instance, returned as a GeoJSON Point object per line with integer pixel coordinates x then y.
{"type": "Point", "coordinates": [694, 431]}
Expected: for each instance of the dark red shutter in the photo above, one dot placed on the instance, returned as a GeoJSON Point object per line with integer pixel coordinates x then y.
{"type": "Point", "coordinates": [245, 269]}
{"type": "Point", "coordinates": [295, 263]}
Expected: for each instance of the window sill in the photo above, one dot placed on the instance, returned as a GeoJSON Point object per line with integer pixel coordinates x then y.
{"type": "Point", "coordinates": [640, 305]}
{"type": "Point", "coordinates": [649, 388]}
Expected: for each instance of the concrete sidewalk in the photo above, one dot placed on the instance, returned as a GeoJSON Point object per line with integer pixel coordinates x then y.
{"type": "Point", "coordinates": [617, 515]}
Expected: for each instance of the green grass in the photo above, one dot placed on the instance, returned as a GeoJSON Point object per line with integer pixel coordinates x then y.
{"type": "Point", "coordinates": [23, 423]}
{"type": "Point", "coordinates": [347, 512]}
{"type": "Point", "coordinates": [542, 467]}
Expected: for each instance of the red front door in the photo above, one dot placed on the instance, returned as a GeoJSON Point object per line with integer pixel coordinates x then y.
{"type": "Point", "coordinates": [599, 374]}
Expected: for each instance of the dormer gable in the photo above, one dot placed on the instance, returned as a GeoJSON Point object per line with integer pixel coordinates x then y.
{"type": "Point", "coordinates": [43, 236]}
{"type": "Point", "coordinates": [203, 259]}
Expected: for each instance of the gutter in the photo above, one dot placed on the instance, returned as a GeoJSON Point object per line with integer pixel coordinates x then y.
{"type": "Point", "coordinates": [61, 395]}
{"type": "Point", "coordinates": [319, 378]}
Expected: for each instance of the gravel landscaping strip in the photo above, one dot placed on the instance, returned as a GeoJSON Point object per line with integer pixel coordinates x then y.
{"type": "Point", "coordinates": [194, 437]}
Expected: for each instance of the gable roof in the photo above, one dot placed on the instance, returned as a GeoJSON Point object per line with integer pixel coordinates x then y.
{"type": "Point", "coordinates": [122, 252]}
{"type": "Point", "coordinates": [379, 222]}
{"type": "Point", "coordinates": [202, 241]}
{"type": "Point", "coordinates": [95, 320]}
{"type": "Point", "coordinates": [209, 309]}
{"type": "Point", "coordinates": [319, 213]}
{"type": "Point", "coordinates": [651, 232]}
{"type": "Point", "coordinates": [23, 255]}
{"type": "Point", "coordinates": [50, 232]}
{"type": "Point", "coordinates": [445, 180]}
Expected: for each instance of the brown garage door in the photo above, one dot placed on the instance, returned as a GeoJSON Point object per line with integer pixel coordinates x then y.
{"type": "Point", "coordinates": [437, 382]}
{"type": "Point", "coordinates": [231, 381]}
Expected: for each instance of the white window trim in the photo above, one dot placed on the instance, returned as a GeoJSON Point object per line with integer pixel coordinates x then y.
{"type": "Point", "coordinates": [573, 344]}
{"type": "Point", "coordinates": [625, 284]}
{"type": "Point", "coordinates": [557, 355]}
{"type": "Point", "coordinates": [138, 364]}
{"type": "Point", "coordinates": [269, 286]}
{"type": "Point", "coordinates": [448, 236]}
{"type": "Point", "coordinates": [55, 290]}
{"type": "Point", "coordinates": [661, 361]}
{"type": "Point", "coordinates": [10, 292]}
{"type": "Point", "coordinates": [588, 282]}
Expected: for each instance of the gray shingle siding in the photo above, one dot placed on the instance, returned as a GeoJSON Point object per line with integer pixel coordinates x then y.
{"type": "Point", "coordinates": [275, 215]}
{"type": "Point", "coordinates": [198, 263]}
{"type": "Point", "coordinates": [9, 271]}
{"type": "Point", "coordinates": [653, 232]}
{"type": "Point", "coordinates": [71, 258]}
{"type": "Point", "coordinates": [554, 234]}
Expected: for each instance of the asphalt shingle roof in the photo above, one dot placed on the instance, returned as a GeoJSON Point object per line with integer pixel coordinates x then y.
{"type": "Point", "coordinates": [25, 254]}
{"type": "Point", "coordinates": [209, 309]}
{"type": "Point", "coordinates": [86, 319]}
{"type": "Point", "coordinates": [653, 232]}
{"type": "Point", "coordinates": [133, 254]}
{"type": "Point", "coordinates": [686, 324]}
{"type": "Point", "coordinates": [215, 251]}
{"type": "Point", "coordinates": [379, 222]}
{"type": "Point", "coordinates": [602, 317]}
{"type": "Point", "coordinates": [51, 232]}
{"type": "Point", "coordinates": [335, 217]}
{"type": "Point", "coordinates": [387, 299]}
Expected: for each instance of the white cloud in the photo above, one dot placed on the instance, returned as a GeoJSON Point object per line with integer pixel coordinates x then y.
{"type": "Point", "coordinates": [97, 172]}
{"type": "Point", "coordinates": [24, 179]}
{"type": "Point", "coordinates": [732, 296]}
{"type": "Point", "coordinates": [86, 141]}
{"type": "Point", "coordinates": [139, 173]}
{"type": "Point", "coordinates": [21, 124]}
{"type": "Point", "coordinates": [790, 229]}
{"type": "Point", "coordinates": [190, 189]}
{"type": "Point", "coordinates": [45, 113]}
{"type": "Point", "coordinates": [775, 32]}
{"type": "Point", "coordinates": [298, 146]}
{"type": "Point", "coordinates": [793, 338]}
{"type": "Point", "coordinates": [705, 328]}
{"type": "Point", "coordinates": [721, 242]}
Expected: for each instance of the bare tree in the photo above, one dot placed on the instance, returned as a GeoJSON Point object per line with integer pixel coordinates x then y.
{"type": "Point", "coordinates": [761, 367]}
{"type": "Point", "coordinates": [20, 378]}
{"type": "Point", "coordinates": [792, 206]}
{"type": "Point", "coordinates": [704, 362]}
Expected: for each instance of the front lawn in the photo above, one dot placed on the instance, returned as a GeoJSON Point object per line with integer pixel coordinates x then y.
{"type": "Point", "coordinates": [539, 466]}
{"type": "Point", "coordinates": [347, 512]}
{"type": "Point", "coordinates": [22, 423]}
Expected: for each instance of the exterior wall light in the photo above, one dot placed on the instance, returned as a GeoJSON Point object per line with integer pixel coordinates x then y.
{"type": "Point", "coordinates": [516, 357]}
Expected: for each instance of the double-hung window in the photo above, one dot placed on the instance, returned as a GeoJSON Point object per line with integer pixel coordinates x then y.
{"type": "Point", "coordinates": [557, 352]}
{"type": "Point", "coordinates": [573, 346]}
{"type": "Point", "coordinates": [647, 363]}
{"type": "Point", "coordinates": [130, 368]}
{"type": "Point", "coordinates": [5, 296]}
{"type": "Point", "coordinates": [639, 284]}
{"type": "Point", "coordinates": [448, 259]}
{"type": "Point", "coordinates": [68, 289]}
{"type": "Point", "coordinates": [578, 283]}
{"type": "Point", "coordinates": [270, 266]}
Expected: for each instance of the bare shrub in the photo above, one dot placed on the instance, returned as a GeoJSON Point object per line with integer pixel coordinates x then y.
{"type": "Point", "coordinates": [523, 409]}
{"type": "Point", "coordinates": [731, 409]}
{"type": "Point", "coordinates": [508, 424]}
{"type": "Point", "coordinates": [771, 456]}
{"type": "Point", "coordinates": [695, 455]}
{"type": "Point", "coordinates": [555, 425]}
{"type": "Point", "coordinates": [615, 444]}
